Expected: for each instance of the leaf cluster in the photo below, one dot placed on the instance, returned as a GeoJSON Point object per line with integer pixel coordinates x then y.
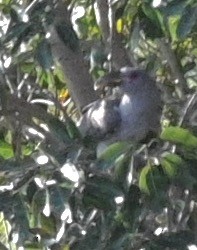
{"type": "Point", "coordinates": [55, 192]}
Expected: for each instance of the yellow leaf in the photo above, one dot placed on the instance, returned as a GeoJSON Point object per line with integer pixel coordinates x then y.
{"type": "Point", "coordinates": [119, 25]}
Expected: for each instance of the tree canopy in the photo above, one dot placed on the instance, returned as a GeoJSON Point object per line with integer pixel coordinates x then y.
{"type": "Point", "coordinates": [55, 191]}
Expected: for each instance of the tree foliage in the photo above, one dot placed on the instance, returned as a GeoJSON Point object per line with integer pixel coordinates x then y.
{"type": "Point", "coordinates": [55, 192]}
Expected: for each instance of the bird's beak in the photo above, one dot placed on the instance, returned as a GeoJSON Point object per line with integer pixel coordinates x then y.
{"type": "Point", "coordinates": [111, 80]}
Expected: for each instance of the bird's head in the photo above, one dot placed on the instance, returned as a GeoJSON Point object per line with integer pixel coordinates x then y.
{"type": "Point", "coordinates": [135, 80]}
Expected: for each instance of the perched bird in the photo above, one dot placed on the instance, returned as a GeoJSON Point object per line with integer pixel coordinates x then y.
{"type": "Point", "coordinates": [131, 114]}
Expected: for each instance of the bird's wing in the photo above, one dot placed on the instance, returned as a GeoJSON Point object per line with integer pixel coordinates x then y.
{"type": "Point", "coordinates": [101, 118]}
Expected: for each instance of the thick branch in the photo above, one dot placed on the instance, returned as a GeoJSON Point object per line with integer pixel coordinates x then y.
{"type": "Point", "coordinates": [119, 54]}
{"type": "Point", "coordinates": [174, 65]}
{"type": "Point", "coordinates": [76, 71]}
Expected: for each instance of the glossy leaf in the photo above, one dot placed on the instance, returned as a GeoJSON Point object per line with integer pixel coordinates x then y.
{"type": "Point", "coordinates": [187, 22]}
{"type": "Point", "coordinates": [181, 136]}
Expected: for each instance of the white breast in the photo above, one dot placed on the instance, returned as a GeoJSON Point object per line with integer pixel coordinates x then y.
{"type": "Point", "coordinates": [128, 108]}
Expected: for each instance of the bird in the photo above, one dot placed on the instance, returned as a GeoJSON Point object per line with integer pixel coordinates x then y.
{"type": "Point", "coordinates": [131, 115]}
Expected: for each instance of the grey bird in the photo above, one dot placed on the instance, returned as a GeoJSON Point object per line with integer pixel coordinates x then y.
{"type": "Point", "coordinates": [132, 114]}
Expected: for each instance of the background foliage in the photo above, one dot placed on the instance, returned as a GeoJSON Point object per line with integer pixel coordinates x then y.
{"type": "Point", "coordinates": [55, 193]}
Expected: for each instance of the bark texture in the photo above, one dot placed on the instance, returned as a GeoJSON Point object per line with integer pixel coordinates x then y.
{"type": "Point", "coordinates": [79, 81]}
{"type": "Point", "coordinates": [119, 55]}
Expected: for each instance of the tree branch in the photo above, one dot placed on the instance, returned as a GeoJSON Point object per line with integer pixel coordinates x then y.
{"type": "Point", "coordinates": [174, 65]}
{"type": "Point", "coordinates": [79, 81]}
{"type": "Point", "coordinates": [119, 54]}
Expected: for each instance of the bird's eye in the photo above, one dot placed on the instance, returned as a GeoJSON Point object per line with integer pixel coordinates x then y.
{"type": "Point", "coordinates": [134, 75]}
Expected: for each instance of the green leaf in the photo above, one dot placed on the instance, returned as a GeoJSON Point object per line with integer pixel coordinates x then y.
{"type": "Point", "coordinates": [16, 31]}
{"type": "Point", "coordinates": [151, 21]}
{"type": "Point", "coordinates": [72, 129]}
{"type": "Point", "coordinates": [59, 201]}
{"type": "Point", "coordinates": [143, 180]}
{"type": "Point", "coordinates": [38, 204]}
{"type": "Point", "coordinates": [135, 36]}
{"type": "Point", "coordinates": [43, 55]}
{"type": "Point", "coordinates": [131, 208]}
{"type": "Point", "coordinates": [174, 8]}
{"type": "Point", "coordinates": [173, 22]}
{"type": "Point", "coordinates": [6, 150]}
{"type": "Point", "coordinates": [109, 156]}
{"type": "Point", "coordinates": [41, 232]}
{"type": "Point", "coordinates": [121, 169]}
{"type": "Point", "coordinates": [100, 192]}
{"type": "Point", "coordinates": [15, 16]}
{"type": "Point", "coordinates": [178, 170]}
{"type": "Point", "coordinates": [48, 224]}
{"type": "Point", "coordinates": [20, 218]}
{"type": "Point", "coordinates": [3, 231]}
{"type": "Point", "coordinates": [59, 129]}
{"type": "Point", "coordinates": [177, 240]}
{"type": "Point", "coordinates": [171, 164]}
{"type": "Point", "coordinates": [153, 181]}
{"type": "Point", "coordinates": [181, 136]}
{"type": "Point", "coordinates": [187, 22]}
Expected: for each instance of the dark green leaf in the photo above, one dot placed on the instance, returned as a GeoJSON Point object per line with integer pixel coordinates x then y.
{"type": "Point", "coordinates": [21, 223]}
{"type": "Point", "coordinates": [189, 66]}
{"type": "Point", "coordinates": [58, 201]}
{"type": "Point", "coordinates": [174, 8]}
{"type": "Point", "coordinates": [151, 21]}
{"type": "Point", "coordinates": [48, 224]}
{"type": "Point", "coordinates": [187, 22]}
{"type": "Point", "coordinates": [177, 240]}
{"type": "Point", "coordinates": [109, 156]}
{"type": "Point", "coordinates": [121, 169]}
{"type": "Point", "coordinates": [100, 192]}
{"type": "Point", "coordinates": [14, 15]}
{"type": "Point", "coordinates": [59, 129]}
{"type": "Point", "coordinates": [43, 55]}
{"type": "Point", "coordinates": [38, 204]}
{"type": "Point", "coordinates": [72, 129]}
{"type": "Point", "coordinates": [178, 170]}
{"type": "Point", "coordinates": [41, 232]}
{"type": "Point", "coordinates": [154, 183]}
{"type": "Point", "coordinates": [16, 31]}
{"type": "Point", "coordinates": [131, 208]}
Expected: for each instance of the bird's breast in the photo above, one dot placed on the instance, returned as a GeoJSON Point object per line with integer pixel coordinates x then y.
{"type": "Point", "coordinates": [128, 108]}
